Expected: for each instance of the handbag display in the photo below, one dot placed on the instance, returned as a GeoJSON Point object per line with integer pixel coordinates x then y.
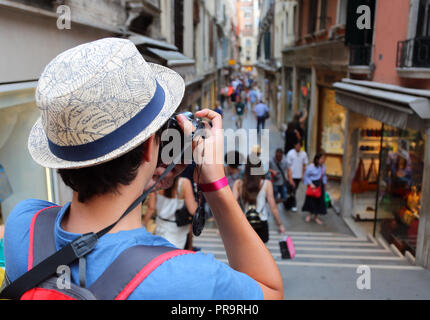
{"type": "Point", "coordinates": [372, 177]}
{"type": "Point", "coordinates": [359, 183]}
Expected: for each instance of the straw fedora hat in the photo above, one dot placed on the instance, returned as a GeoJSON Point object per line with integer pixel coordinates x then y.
{"type": "Point", "coordinates": [98, 101]}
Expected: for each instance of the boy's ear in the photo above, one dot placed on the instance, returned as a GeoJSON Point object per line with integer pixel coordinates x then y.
{"type": "Point", "coordinates": [148, 147]}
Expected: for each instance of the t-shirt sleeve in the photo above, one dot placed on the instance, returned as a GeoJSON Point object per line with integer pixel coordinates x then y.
{"type": "Point", "coordinates": [289, 160]}
{"type": "Point", "coordinates": [17, 235]}
{"type": "Point", "coordinates": [197, 276]}
{"type": "Point", "coordinates": [305, 158]}
{"type": "Point", "coordinates": [271, 165]}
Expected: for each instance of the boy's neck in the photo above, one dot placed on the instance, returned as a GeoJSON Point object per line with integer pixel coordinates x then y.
{"type": "Point", "coordinates": [101, 211]}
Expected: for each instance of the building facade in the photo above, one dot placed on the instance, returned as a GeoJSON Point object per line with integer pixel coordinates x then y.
{"type": "Point", "coordinates": [387, 149]}
{"type": "Point", "coordinates": [247, 17]}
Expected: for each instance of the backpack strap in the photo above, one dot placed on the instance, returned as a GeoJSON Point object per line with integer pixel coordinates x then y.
{"type": "Point", "coordinates": [42, 241]}
{"type": "Point", "coordinates": [128, 271]}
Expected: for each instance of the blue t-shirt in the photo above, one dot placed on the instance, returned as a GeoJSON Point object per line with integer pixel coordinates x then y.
{"type": "Point", "coordinates": [260, 109]}
{"type": "Point", "coordinates": [187, 277]}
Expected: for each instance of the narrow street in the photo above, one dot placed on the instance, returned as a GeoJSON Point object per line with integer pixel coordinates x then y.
{"type": "Point", "coordinates": [328, 255]}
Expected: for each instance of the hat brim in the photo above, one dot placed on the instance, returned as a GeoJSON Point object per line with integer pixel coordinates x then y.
{"type": "Point", "coordinates": [174, 88]}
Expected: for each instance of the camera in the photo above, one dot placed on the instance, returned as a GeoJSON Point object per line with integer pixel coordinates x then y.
{"type": "Point", "coordinates": [172, 124]}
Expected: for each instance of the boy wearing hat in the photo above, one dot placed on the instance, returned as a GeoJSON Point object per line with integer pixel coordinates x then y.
{"type": "Point", "coordinates": [102, 108]}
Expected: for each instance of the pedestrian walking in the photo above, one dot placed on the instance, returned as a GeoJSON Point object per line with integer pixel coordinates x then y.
{"type": "Point", "coordinates": [261, 112]}
{"type": "Point", "coordinates": [111, 170]}
{"type": "Point", "coordinates": [299, 121]}
{"type": "Point", "coordinates": [218, 108]}
{"type": "Point", "coordinates": [291, 137]}
{"type": "Point", "coordinates": [239, 111]}
{"type": "Point", "coordinates": [244, 98]}
{"type": "Point", "coordinates": [278, 169]}
{"type": "Point", "coordinates": [167, 202]}
{"type": "Point", "coordinates": [233, 161]}
{"type": "Point", "coordinates": [254, 192]}
{"type": "Point", "coordinates": [315, 178]}
{"type": "Point", "coordinates": [223, 95]}
{"type": "Point", "coordinates": [253, 97]}
{"type": "Point", "coordinates": [297, 161]}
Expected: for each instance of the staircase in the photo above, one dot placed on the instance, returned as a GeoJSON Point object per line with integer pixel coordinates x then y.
{"type": "Point", "coordinates": [320, 249]}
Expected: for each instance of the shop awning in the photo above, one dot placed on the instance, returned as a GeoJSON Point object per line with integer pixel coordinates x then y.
{"type": "Point", "coordinates": [265, 67]}
{"type": "Point", "coordinates": [393, 105]}
{"type": "Point", "coordinates": [139, 40]}
{"type": "Point", "coordinates": [171, 58]}
{"type": "Point", "coordinates": [14, 94]}
{"type": "Point", "coordinates": [166, 54]}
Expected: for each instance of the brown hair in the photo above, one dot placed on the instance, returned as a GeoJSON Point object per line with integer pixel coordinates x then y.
{"type": "Point", "coordinates": [169, 192]}
{"type": "Point", "coordinates": [251, 182]}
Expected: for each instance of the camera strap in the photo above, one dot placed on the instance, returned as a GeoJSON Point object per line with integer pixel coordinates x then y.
{"type": "Point", "coordinates": [74, 251]}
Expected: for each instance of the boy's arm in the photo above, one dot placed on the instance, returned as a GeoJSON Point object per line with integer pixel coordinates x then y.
{"type": "Point", "coordinates": [245, 251]}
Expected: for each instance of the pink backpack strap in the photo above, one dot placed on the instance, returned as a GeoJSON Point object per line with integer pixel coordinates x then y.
{"type": "Point", "coordinates": [42, 241]}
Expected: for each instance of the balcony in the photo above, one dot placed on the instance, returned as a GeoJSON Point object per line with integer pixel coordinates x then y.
{"type": "Point", "coordinates": [413, 58]}
{"type": "Point", "coordinates": [360, 59]}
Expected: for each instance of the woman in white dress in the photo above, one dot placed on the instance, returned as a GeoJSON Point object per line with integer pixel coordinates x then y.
{"type": "Point", "coordinates": [166, 202]}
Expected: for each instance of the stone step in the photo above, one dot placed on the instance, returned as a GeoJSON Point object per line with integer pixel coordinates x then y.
{"type": "Point", "coordinates": [342, 265]}
{"type": "Point", "coordinates": [317, 243]}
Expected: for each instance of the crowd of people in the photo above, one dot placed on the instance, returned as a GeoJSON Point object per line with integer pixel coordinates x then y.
{"type": "Point", "coordinates": [243, 95]}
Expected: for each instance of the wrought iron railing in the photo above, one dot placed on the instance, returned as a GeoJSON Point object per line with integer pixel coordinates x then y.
{"type": "Point", "coordinates": [360, 55]}
{"type": "Point", "coordinates": [414, 53]}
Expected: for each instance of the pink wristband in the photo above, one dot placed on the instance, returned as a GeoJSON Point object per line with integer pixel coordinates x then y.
{"type": "Point", "coordinates": [214, 186]}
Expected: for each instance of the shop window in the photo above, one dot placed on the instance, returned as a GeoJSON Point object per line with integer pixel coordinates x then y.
{"type": "Point", "coordinates": [400, 181]}
{"type": "Point", "coordinates": [332, 131]}
{"type": "Point", "coordinates": [388, 181]}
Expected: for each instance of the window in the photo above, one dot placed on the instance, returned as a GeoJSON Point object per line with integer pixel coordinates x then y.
{"type": "Point", "coordinates": [323, 15]}
{"type": "Point", "coordinates": [267, 45]}
{"type": "Point", "coordinates": [423, 25]}
{"type": "Point", "coordinates": [248, 43]}
{"type": "Point", "coordinates": [341, 14]}
{"type": "Point", "coordinates": [312, 16]}
{"type": "Point", "coordinates": [179, 25]}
